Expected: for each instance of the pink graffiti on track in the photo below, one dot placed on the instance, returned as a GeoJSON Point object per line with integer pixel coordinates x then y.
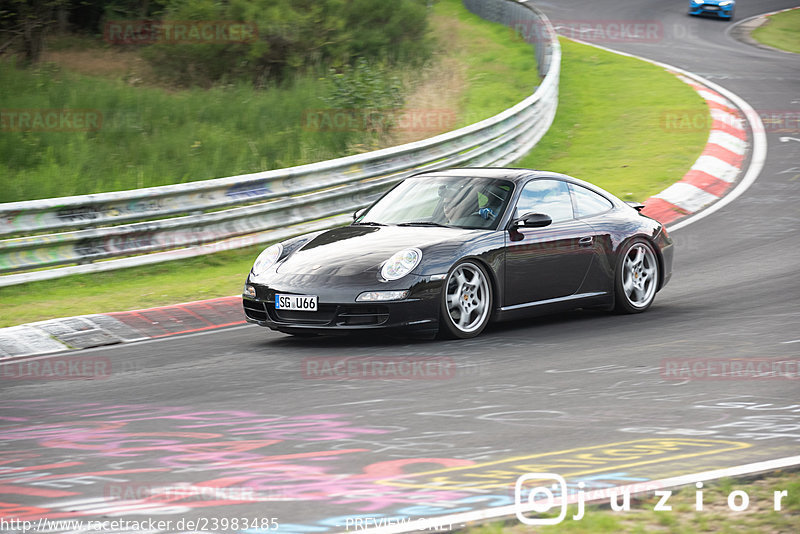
{"type": "Point", "coordinates": [85, 447]}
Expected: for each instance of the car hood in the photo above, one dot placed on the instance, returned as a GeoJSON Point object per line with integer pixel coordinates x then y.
{"type": "Point", "coordinates": [353, 250]}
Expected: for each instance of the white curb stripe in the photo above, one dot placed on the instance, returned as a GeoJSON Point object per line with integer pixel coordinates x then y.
{"type": "Point", "coordinates": [716, 168]}
{"type": "Point", "coordinates": [25, 340]}
{"type": "Point", "coordinates": [687, 196]}
{"type": "Point", "coordinates": [457, 520]}
{"type": "Point", "coordinates": [728, 141]}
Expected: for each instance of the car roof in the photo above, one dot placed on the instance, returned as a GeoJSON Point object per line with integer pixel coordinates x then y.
{"type": "Point", "coordinates": [517, 176]}
{"type": "Point", "coordinates": [505, 173]}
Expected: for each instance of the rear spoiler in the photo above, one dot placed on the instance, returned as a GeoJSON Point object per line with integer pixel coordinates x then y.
{"type": "Point", "coordinates": [635, 205]}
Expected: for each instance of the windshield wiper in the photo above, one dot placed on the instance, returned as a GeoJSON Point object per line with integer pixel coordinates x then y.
{"type": "Point", "coordinates": [425, 223]}
{"type": "Point", "coordinates": [368, 223]}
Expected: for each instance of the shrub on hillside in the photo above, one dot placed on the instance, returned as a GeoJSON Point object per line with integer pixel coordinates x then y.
{"type": "Point", "coordinates": [292, 36]}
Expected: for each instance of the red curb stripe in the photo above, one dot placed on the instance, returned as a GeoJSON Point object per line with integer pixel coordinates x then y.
{"type": "Point", "coordinates": [138, 322]}
{"type": "Point", "coordinates": [706, 182]}
{"type": "Point", "coordinates": [729, 129]}
{"type": "Point", "coordinates": [204, 302]}
{"type": "Point", "coordinates": [662, 211]}
{"type": "Point", "coordinates": [722, 107]}
{"type": "Point", "coordinates": [720, 152]}
{"type": "Point", "coordinates": [189, 317]}
{"type": "Point", "coordinates": [193, 314]}
{"type": "Point", "coordinates": [211, 327]}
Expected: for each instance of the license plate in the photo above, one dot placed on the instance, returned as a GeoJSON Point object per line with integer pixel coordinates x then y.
{"type": "Point", "coordinates": [711, 8]}
{"type": "Point", "coordinates": [296, 302]}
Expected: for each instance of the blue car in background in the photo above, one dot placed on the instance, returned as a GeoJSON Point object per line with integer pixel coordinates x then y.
{"type": "Point", "coordinates": [719, 8]}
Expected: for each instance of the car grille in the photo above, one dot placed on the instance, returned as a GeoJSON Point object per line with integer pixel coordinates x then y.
{"type": "Point", "coordinates": [323, 315]}
{"type": "Point", "coordinates": [362, 315]}
{"type": "Point", "coordinates": [254, 310]}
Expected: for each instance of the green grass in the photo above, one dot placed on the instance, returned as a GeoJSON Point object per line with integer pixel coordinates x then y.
{"type": "Point", "coordinates": [150, 136]}
{"type": "Point", "coordinates": [684, 518]}
{"type": "Point", "coordinates": [610, 126]}
{"type": "Point", "coordinates": [501, 69]}
{"type": "Point", "coordinates": [204, 277]}
{"type": "Point", "coordinates": [782, 30]}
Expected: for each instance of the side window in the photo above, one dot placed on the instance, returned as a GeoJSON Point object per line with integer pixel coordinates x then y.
{"type": "Point", "coordinates": [588, 203]}
{"type": "Point", "coordinates": [550, 197]}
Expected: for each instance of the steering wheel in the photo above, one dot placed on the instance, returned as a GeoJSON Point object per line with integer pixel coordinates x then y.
{"type": "Point", "coordinates": [485, 213]}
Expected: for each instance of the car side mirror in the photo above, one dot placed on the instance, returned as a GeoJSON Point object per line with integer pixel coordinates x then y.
{"type": "Point", "coordinates": [532, 220]}
{"type": "Point", "coordinates": [358, 213]}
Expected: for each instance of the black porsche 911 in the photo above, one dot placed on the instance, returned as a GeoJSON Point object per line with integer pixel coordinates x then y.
{"type": "Point", "coordinates": [449, 251]}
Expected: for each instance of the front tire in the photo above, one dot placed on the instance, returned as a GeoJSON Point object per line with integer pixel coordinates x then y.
{"type": "Point", "coordinates": [466, 303]}
{"type": "Point", "coordinates": [636, 279]}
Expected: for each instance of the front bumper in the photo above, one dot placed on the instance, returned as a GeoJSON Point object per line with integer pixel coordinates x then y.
{"type": "Point", "coordinates": [724, 12]}
{"type": "Point", "coordinates": [338, 311]}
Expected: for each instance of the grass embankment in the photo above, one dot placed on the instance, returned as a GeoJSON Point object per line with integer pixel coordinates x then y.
{"type": "Point", "coordinates": [715, 516]}
{"type": "Point", "coordinates": [619, 124]}
{"type": "Point", "coordinates": [478, 71]}
{"type": "Point", "coordinates": [151, 134]}
{"type": "Point", "coordinates": [781, 30]}
{"type": "Point", "coordinates": [500, 69]}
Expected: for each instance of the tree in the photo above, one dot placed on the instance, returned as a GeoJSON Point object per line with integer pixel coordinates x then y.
{"type": "Point", "coordinates": [28, 21]}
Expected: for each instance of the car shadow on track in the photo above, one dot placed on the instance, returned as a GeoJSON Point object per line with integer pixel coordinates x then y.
{"type": "Point", "coordinates": [582, 322]}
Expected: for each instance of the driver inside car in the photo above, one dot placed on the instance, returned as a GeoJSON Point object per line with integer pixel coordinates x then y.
{"type": "Point", "coordinates": [466, 207]}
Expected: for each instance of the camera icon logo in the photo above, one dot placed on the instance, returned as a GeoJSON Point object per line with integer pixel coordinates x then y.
{"type": "Point", "coordinates": [540, 498]}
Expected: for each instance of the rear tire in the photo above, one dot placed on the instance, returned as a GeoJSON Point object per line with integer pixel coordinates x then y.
{"type": "Point", "coordinates": [636, 279]}
{"type": "Point", "coordinates": [466, 301]}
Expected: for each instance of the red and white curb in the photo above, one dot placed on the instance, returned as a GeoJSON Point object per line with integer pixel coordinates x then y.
{"type": "Point", "coordinates": [690, 203]}
{"type": "Point", "coordinates": [717, 168]}
{"type": "Point", "coordinates": [71, 333]}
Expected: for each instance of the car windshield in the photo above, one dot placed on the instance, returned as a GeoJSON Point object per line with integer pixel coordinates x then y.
{"type": "Point", "coordinates": [455, 201]}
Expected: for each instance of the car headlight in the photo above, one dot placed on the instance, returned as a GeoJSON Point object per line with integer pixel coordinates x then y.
{"type": "Point", "coordinates": [401, 263]}
{"type": "Point", "coordinates": [726, 3]}
{"type": "Point", "coordinates": [377, 296]}
{"type": "Point", "coordinates": [267, 258]}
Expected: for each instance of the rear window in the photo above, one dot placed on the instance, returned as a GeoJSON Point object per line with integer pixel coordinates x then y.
{"type": "Point", "coordinates": [588, 203]}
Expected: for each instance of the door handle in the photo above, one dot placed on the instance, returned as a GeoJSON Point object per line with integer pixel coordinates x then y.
{"type": "Point", "coordinates": [585, 241]}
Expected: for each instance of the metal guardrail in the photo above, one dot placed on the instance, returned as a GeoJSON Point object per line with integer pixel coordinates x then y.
{"type": "Point", "coordinates": [83, 229]}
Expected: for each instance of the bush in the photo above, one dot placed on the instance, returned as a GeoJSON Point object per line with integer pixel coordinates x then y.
{"type": "Point", "coordinates": [293, 36]}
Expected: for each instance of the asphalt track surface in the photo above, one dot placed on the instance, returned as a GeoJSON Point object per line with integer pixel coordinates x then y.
{"type": "Point", "coordinates": [580, 394]}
